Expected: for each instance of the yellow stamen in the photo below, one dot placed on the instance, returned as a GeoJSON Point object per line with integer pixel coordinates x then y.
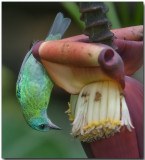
{"type": "Point", "coordinates": [71, 117]}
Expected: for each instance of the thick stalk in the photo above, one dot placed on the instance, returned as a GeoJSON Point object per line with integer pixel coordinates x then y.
{"type": "Point", "coordinates": [96, 24]}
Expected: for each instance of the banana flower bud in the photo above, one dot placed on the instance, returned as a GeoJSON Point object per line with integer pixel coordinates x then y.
{"type": "Point", "coordinates": [106, 106]}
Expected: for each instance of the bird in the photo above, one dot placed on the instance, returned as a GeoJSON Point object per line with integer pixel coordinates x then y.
{"type": "Point", "coordinates": [34, 86]}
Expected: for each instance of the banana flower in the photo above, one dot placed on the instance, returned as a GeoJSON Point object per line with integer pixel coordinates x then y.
{"type": "Point", "coordinates": [106, 105]}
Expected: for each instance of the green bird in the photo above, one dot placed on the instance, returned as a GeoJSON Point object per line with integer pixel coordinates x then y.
{"type": "Point", "coordinates": [34, 86]}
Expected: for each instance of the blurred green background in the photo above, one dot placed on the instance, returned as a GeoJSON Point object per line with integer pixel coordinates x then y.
{"type": "Point", "coordinates": [22, 24]}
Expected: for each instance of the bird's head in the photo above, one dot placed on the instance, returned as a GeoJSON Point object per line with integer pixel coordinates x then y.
{"type": "Point", "coordinates": [42, 124]}
{"type": "Point", "coordinates": [40, 121]}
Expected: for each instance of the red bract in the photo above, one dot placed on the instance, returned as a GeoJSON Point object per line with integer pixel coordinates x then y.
{"type": "Point", "coordinates": [72, 63]}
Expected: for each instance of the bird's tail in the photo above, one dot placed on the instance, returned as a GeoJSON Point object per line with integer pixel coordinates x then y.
{"type": "Point", "coordinates": [58, 27]}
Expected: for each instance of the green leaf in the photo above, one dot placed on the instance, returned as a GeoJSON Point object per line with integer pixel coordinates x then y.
{"type": "Point", "coordinates": [138, 14]}
{"type": "Point", "coordinates": [123, 11]}
{"type": "Point", "coordinates": [73, 10]}
{"type": "Point", "coordinates": [112, 15]}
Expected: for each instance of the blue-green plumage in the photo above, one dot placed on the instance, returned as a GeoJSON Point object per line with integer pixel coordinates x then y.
{"type": "Point", "coordinates": [34, 86]}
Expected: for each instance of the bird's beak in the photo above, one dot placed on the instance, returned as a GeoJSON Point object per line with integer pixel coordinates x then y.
{"type": "Point", "coordinates": [53, 126]}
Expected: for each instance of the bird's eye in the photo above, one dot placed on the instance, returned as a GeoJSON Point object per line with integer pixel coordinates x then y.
{"type": "Point", "coordinates": [42, 126]}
